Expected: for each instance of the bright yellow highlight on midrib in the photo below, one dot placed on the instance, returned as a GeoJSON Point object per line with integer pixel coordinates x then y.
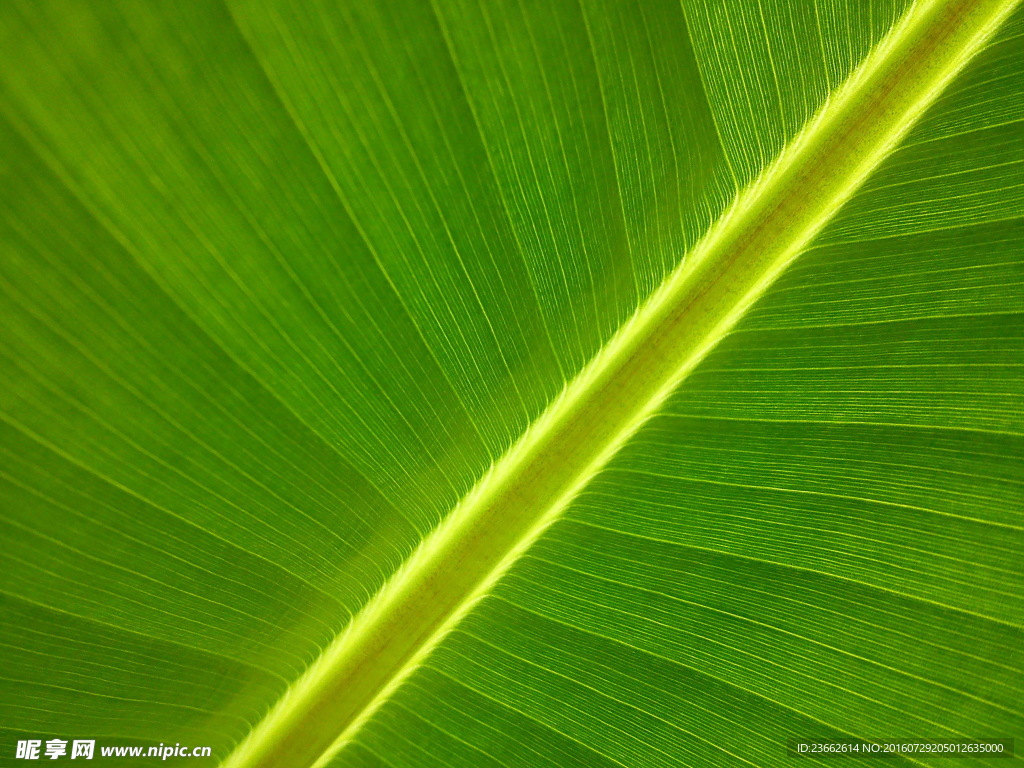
{"type": "Point", "coordinates": [766, 227]}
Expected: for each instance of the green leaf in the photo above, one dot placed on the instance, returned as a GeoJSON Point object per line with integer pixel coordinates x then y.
{"type": "Point", "coordinates": [511, 384]}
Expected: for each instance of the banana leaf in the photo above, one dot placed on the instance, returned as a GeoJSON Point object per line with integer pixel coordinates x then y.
{"type": "Point", "coordinates": [505, 383]}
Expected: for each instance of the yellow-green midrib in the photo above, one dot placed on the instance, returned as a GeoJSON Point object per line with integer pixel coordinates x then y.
{"type": "Point", "coordinates": [742, 254]}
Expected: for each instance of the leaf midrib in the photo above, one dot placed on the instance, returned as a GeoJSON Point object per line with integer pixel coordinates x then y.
{"type": "Point", "coordinates": [765, 228]}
